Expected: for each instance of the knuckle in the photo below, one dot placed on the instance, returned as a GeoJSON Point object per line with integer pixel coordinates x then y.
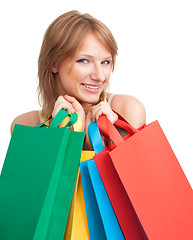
{"type": "Point", "coordinates": [73, 98]}
{"type": "Point", "coordinates": [60, 97]}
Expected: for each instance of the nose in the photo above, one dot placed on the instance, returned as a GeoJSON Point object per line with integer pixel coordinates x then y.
{"type": "Point", "coordinates": [98, 73]}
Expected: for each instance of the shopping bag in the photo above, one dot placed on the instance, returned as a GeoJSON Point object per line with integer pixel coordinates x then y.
{"type": "Point", "coordinates": [121, 203]}
{"type": "Point", "coordinates": [143, 175]}
{"type": "Point", "coordinates": [38, 179]}
{"type": "Point", "coordinates": [77, 225]}
{"type": "Point", "coordinates": [102, 221]}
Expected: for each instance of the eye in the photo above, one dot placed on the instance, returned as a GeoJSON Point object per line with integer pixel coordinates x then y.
{"type": "Point", "coordinates": [83, 61]}
{"type": "Point", "coordinates": [106, 62]}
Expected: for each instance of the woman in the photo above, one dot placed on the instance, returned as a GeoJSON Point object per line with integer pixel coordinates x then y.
{"type": "Point", "coordinates": [75, 63]}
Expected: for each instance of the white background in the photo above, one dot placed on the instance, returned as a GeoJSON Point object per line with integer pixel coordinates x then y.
{"type": "Point", "coordinates": [155, 61]}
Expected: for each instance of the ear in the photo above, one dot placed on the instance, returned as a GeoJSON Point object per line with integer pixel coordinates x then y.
{"type": "Point", "coordinates": [54, 69]}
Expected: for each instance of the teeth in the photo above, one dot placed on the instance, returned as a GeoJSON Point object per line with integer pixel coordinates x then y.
{"type": "Point", "coordinates": [92, 87]}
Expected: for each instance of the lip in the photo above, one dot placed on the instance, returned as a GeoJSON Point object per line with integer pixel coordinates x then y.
{"type": "Point", "coordinates": [92, 88]}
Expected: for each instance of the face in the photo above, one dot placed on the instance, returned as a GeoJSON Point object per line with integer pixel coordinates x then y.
{"type": "Point", "coordinates": [87, 74]}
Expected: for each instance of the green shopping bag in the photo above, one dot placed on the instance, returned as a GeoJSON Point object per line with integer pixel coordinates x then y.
{"type": "Point", "coordinates": [38, 179]}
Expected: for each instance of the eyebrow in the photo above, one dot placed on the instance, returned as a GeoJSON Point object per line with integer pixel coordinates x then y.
{"type": "Point", "coordinates": [90, 56]}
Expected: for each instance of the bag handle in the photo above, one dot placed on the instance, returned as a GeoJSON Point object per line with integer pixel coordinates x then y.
{"type": "Point", "coordinates": [106, 128]}
{"type": "Point", "coordinates": [122, 123]}
{"type": "Point", "coordinates": [61, 115]}
{"type": "Point", "coordinates": [76, 125]}
{"type": "Point", "coordinates": [95, 137]}
{"type": "Point", "coordinates": [63, 119]}
{"type": "Point", "coordinates": [110, 132]}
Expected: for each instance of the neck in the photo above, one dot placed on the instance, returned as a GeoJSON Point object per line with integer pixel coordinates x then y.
{"type": "Point", "coordinates": [86, 107]}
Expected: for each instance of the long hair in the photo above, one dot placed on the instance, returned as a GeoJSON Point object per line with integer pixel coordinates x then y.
{"type": "Point", "coordinates": [60, 42]}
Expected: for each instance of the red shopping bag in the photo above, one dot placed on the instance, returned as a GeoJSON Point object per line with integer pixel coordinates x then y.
{"type": "Point", "coordinates": [148, 189]}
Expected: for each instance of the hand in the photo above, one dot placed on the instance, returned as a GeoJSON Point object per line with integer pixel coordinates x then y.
{"type": "Point", "coordinates": [103, 108]}
{"type": "Point", "coordinates": [70, 104]}
{"type": "Point", "coordinates": [94, 113]}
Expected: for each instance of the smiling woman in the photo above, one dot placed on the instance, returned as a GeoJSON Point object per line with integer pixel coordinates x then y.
{"type": "Point", "coordinates": [85, 76]}
{"type": "Point", "coordinates": [77, 57]}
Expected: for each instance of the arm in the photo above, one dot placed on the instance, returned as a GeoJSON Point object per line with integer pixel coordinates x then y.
{"type": "Point", "coordinates": [28, 119]}
{"type": "Point", "coordinates": [129, 108]}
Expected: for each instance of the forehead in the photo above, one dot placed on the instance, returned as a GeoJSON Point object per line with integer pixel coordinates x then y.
{"type": "Point", "coordinates": [91, 45]}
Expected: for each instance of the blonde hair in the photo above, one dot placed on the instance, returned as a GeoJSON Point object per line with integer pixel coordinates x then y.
{"type": "Point", "coordinates": [60, 42]}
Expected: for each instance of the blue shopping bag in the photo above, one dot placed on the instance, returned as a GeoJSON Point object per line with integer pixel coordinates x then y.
{"type": "Point", "coordinates": [102, 221]}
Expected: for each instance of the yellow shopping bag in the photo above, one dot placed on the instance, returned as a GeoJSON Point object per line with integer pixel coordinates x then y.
{"type": "Point", "coordinates": [77, 225]}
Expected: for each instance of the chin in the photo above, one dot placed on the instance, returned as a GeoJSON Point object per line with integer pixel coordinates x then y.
{"type": "Point", "coordinates": [90, 99]}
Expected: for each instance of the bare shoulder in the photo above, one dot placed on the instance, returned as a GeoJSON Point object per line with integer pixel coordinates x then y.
{"type": "Point", "coordinates": [28, 119]}
{"type": "Point", "coordinates": [129, 108]}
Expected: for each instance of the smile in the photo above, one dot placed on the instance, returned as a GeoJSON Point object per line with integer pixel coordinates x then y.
{"type": "Point", "coordinates": [91, 86]}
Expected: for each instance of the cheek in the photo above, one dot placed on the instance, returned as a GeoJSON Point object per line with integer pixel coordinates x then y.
{"type": "Point", "coordinates": [79, 73]}
{"type": "Point", "coordinates": [108, 75]}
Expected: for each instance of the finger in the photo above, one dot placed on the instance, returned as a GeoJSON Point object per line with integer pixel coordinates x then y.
{"type": "Point", "coordinates": [99, 110]}
{"type": "Point", "coordinates": [60, 97]}
{"type": "Point", "coordinates": [113, 117]}
{"type": "Point", "coordinates": [77, 106]}
{"type": "Point", "coordinates": [106, 110]}
{"type": "Point", "coordinates": [63, 105]}
{"type": "Point", "coordinates": [103, 103]}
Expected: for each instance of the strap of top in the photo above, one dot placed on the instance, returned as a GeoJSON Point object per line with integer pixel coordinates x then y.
{"type": "Point", "coordinates": [110, 99]}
